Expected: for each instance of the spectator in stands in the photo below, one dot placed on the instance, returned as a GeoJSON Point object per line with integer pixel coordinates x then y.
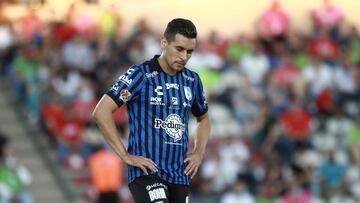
{"type": "Point", "coordinates": [275, 94]}
{"type": "Point", "coordinates": [266, 194]}
{"type": "Point", "coordinates": [352, 43]}
{"type": "Point", "coordinates": [297, 127]}
{"type": "Point", "coordinates": [142, 41]}
{"type": "Point", "coordinates": [79, 18]}
{"type": "Point", "coordinates": [273, 27]}
{"type": "Point", "coordinates": [69, 137]}
{"type": "Point", "coordinates": [328, 17]}
{"type": "Point", "coordinates": [107, 175]}
{"type": "Point", "coordinates": [14, 177]}
{"type": "Point", "coordinates": [233, 156]}
{"type": "Point", "coordinates": [61, 32]}
{"type": "Point", "coordinates": [110, 22]}
{"type": "Point", "coordinates": [332, 176]}
{"type": "Point", "coordinates": [6, 41]}
{"type": "Point", "coordinates": [297, 122]}
{"type": "Point", "coordinates": [207, 193]}
{"type": "Point", "coordinates": [239, 47]}
{"type": "Point", "coordinates": [91, 139]}
{"type": "Point", "coordinates": [352, 106]}
{"type": "Point", "coordinates": [255, 65]}
{"type": "Point", "coordinates": [265, 124]}
{"type": "Point", "coordinates": [296, 192]}
{"type": "Point", "coordinates": [238, 193]}
{"type": "Point", "coordinates": [272, 181]}
{"type": "Point", "coordinates": [354, 141]}
{"type": "Point", "coordinates": [318, 76]}
{"type": "Point", "coordinates": [215, 44]}
{"type": "Point", "coordinates": [31, 24]}
{"type": "Point", "coordinates": [66, 84]}
{"type": "Point", "coordinates": [274, 22]}
{"type": "Point", "coordinates": [286, 73]}
{"type": "Point", "coordinates": [324, 47]}
{"type": "Point", "coordinates": [345, 86]}
{"type": "Point", "coordinates": [344, 76]}
{"type": "Point", "coordinates": [78, 54]}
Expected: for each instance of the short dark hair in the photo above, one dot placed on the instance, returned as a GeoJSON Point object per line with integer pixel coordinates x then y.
{"type": "Point", "coordinates": [180, 26]}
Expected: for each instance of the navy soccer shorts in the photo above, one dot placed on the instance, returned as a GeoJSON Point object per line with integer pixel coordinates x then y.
{"type": "Point", "coordinates": [152, 189]}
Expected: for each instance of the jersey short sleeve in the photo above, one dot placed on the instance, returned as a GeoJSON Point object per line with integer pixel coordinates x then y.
{"type": "Point", "coordinates": [127, 87]}
{"type": "Point", "coordinates": [200, 105]}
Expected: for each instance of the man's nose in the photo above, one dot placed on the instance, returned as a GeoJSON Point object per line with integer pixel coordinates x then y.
{"type": "Point", "coordinates": [183, 55]}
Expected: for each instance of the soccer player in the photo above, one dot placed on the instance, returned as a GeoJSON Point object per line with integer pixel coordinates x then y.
{"type": "Point", "coordinates": [159, 94]}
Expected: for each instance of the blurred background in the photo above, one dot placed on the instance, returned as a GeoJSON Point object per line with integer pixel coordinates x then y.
{"type": "Point", "coordinates": [282, 79]}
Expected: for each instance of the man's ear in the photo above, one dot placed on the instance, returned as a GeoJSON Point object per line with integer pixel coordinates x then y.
{"type": "Point", "coordinates": [163, 42]}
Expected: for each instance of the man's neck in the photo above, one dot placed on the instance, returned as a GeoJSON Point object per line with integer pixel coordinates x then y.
{"type": "Point", "coordinates": [165, 66]}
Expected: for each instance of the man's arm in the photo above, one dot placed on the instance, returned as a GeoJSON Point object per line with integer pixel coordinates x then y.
{"type": "Point", "coordinates": [103, 117]}
{"type": "Point", "coordinates": [195, 158]}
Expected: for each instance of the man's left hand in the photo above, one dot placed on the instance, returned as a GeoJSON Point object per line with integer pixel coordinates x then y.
{"type": "Point", "coordinates": [194, 160]}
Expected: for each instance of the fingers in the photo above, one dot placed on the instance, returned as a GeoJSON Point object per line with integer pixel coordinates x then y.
{"type": "Point", "coordinates": [151, 162]}
{"type": "Point", "coordinates": [144, 164]}
{"type": "Point", "coordinates": [194, 172]}
{"type": "Point", "coordinates": [191, 169]}
{"type": "Point", "coordinates": [151, 165]}
{"type": "Point", "coordinates": [188, 159]}
{"type": "Point", "coordinates": [143, 169]}
{"type": "Point", "coordinates": [188, 168]}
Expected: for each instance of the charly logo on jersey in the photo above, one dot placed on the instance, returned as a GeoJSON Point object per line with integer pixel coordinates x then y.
{"type": "Point", "coordinates": [125, 95]}
{"type": "Point", "coordinates": [152, 74]}
{"type": "Point", "coordinates": [172, 85]}
{"type": "Point", "coordinates": [173, 126]}
{"type": "Point", "coordinates": [158, 90]}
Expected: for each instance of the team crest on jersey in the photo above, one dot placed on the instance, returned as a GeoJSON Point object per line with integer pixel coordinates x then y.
{"type": "Point", "coordinates": [125, 95]}
{"type": "Point", "coordinates": [188, 94]}
{"type": "Point", "coordinates": [173, 126]}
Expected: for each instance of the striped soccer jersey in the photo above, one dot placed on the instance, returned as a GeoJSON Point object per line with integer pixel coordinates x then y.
{"type": "Point", "coordinates": [159, 107]}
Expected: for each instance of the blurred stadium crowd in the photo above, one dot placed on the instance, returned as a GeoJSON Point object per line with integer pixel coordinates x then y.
{"type": "Point", "coordinates": [285, 105]}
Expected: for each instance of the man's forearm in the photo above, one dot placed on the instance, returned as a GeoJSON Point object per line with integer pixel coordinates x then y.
{"type": "Point", "coordinates": [107, 126]}
{"type": "Point", "coordinates": [202, 135]}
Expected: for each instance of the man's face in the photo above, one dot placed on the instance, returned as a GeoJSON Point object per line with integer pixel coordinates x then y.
{"type": "Point", "coordinates": [178, 52]}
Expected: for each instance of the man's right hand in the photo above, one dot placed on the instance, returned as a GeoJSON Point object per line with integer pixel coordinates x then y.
{"type": "Point", "coordinates": [141, 162]}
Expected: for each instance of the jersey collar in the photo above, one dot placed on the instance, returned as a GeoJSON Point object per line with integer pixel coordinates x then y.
{"type": "Point", "coordinates": [155, 65]}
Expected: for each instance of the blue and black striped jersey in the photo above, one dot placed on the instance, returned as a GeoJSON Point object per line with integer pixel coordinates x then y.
{"type": "Point", "coordinates": [159, 107]}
